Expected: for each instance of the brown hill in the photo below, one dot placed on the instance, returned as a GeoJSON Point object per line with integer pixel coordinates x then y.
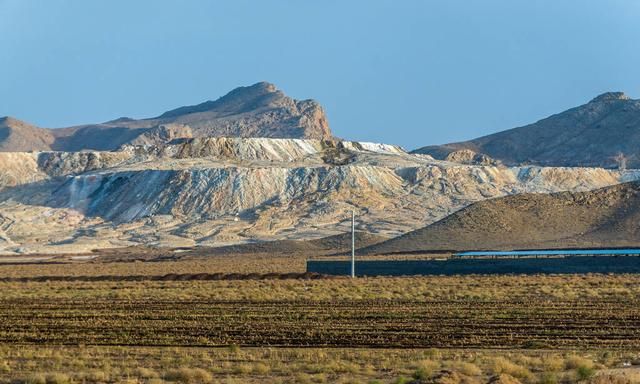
{"type": "Point", "coordinates": [259, 110]}
{"type": "Point", "coordinates": [606, 217]}
{"type": "Point", "coordinates": [19, 135]}
{"type": "Point", "coordinates": [603, 133]}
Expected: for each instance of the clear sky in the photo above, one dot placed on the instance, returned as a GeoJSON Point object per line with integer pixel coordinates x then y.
{"type": "Point", "coordinates": [399, 71]}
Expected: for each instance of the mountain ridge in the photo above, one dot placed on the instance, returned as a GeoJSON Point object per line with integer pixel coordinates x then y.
{"type": "Point", "coordinates": [605, 132]}
{"type": "Point", "coordinates": [221, 191]}
{"type": "Point", "coordinates": [258, 110]}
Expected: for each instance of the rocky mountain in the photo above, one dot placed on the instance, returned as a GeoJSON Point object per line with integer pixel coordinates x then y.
{"type": "Point", "coordinates": [606, 217]}
{"type": "Point", "coordinates": [602, 133]}
{"type": "Point", "coordinates": [259, 110]}
{"type": "Point", "coordinates": [16, 135]}
{"type": "Point", "coordinates": [223, 191]}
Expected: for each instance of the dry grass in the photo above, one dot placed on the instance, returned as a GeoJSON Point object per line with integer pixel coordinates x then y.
{"type": "Point", "coordinates": [511, 296]}
{"type": "Point", "coordinates": [255, 263]}
{"type": "Point", "coordinates": [533, 312]}
{"type": "Point", "coordinates": [183, 264]}
{"type": "Point", "coordinates": [482, 288]}
{"type": "Point", "coordinates": [276, 365]}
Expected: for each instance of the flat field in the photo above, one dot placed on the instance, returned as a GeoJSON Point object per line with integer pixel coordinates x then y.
{"type": "Point", "coordinates": [545, 328]}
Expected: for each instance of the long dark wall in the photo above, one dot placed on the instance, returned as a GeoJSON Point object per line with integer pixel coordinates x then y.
{"type": "Point", "coordinates": [565, 265]}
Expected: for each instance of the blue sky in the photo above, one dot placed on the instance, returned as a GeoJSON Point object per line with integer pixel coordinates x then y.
{"type": "Point", "coordinates": [399, 71]}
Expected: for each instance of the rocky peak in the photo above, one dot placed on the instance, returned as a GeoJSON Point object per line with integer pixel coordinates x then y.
{"type": "Point", "coordinates": [258, 110]}
{"type": "Point", "coordinates": [238, 100]}
{"type": "Point", "coordinates": [15, 124]}
{"type": "Point", "coordinates": [9, 121]}
{"type": "Point", "coordinates": [610, 96]}
{"type": "Point", "coordinates": [260, 88]}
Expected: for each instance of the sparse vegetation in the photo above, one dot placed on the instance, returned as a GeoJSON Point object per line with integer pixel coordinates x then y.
{"type": "Point", "coordinates": [250, 330]}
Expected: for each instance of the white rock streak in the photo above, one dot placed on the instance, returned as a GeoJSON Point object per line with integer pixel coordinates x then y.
{"type": "Point", "coordinates": [217, 191]}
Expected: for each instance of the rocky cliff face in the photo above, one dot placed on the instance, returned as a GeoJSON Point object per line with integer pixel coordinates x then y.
{"type": "Point", "coordinates": [602, 133]}
{"type": "Point", "coordinates": [215, 191]}
{"type": "Point", "coordinates": [259, 110]}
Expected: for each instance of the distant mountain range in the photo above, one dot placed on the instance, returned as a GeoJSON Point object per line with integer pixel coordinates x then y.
{"type": "Point", "coordinates": [221, 191]}
{"type": "Point", "coordinates": [602, 133]}
{"type": "Point", "coordinates": [256, 165]}
{"type": "Point", "coordinates": [259, 110]}
{"type": "Point", "coordinates": [606, 217]}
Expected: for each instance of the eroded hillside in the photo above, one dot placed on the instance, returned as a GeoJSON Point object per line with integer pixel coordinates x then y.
{"type": "Point", "coordinates": [217, 191]}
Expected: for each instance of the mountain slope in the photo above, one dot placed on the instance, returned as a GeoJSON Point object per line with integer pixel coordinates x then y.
{"type": "Point", "coordinates": [259, 110]}
{"type": "Point", "coordinates": [16, 135]}
{"type": "Point", "coordinates": [604, 217]}
{"type": "Point", "coordinates": [219, 191]}
{"type": "Point", "coordinates": [591, 135]}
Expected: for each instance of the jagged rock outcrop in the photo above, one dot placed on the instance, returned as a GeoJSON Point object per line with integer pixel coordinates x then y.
{"type": "Point", "coordinates": [163, 134]}
{"type": "Point", "coordinates": [467, 156]}
{"type": "Point", "coordinates": [217, 191]}
{"type": "Point", "coordinates": [602, 133]}
{"type": "Point", "coordinates": [259, 110]}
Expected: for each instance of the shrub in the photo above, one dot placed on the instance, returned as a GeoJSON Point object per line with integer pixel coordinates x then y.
{"type": "Point", "coordinates": [189, 375]}
{"type": "Point", "coordinates": [57, 378]}
{"type": "Point", "coordinates": [36, 378]}
{"type": "Point", "coordinates": [424, 369]}
{"type": "Point", "coordinates": [553, 363]}
{"type": "Point", "coordinates": [95, 377]}
{"type": "Point", "coordinates": [502, 365]}
{"type": "Point", "coordinates": [421, 374]}
{"type": "Point", "coordinates": [575, 362]}
{"type": "Point", "coordinates": [584, 373]}
{"type": "Point", "coordinates": [4, 367]}
{"type": "Point", "coordinates": [303, 378]}
{"type": "Point", "coordinates": [402, 380]}
{"type": "Point", "coordinates": [145, 373]}
{"type": "Point", "coordinates": [433, 353]}
{"type": "Point", "coordinates": [242, 369]}
{"type": "Point", "coordinates": [548, 378]}
{"type": "Point", "coordinates": [261, 369]}
{"type": "Point", "coordinates": [468, 369]}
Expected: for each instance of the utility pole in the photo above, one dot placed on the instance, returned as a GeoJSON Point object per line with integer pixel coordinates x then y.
{"type": "Point", "coordinates": [353, 244]}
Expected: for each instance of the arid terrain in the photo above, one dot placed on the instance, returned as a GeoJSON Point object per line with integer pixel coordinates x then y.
{"type": "Point", "coordinates": [259, 110]}
{"type": "Point", "coordinates": [174, 249]}
{"type": "Point", "coordinates": [222, 191]}
{"type": "Point", "coordinates": [601, 218]}
{"type": "Point", "coordinates": [319, 192]}
{"type": "Point", "coordinates": [287, 328]}
{"type": "Point", "coordinates": [601, 133]}
{"type": "Point", "coordinates": [213, 183]}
